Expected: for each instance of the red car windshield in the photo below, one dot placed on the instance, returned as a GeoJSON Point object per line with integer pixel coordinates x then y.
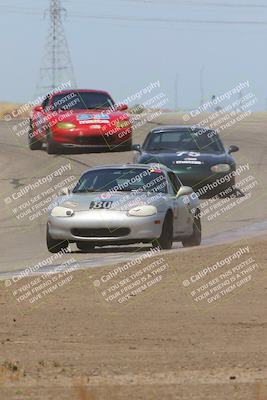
{"type": "Point", "coordinates": [81, 101]}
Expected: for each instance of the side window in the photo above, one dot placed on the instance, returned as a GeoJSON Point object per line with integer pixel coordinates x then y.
{"type": "Point", "coordinates": [151, 140]}
{"type": "Point", "coordinates": [175, 183]}
{"type": "Point", "coordinates": [45, 102]}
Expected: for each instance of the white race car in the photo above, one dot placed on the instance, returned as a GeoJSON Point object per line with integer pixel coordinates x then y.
{"type": "Point", "coordinates": [125, 204]}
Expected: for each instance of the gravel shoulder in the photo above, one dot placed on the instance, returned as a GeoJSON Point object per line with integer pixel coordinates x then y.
{"type": "Point", "coordinates": [74, 344]}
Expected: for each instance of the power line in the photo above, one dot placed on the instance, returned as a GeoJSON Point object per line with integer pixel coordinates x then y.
{"type": "Point", "coordinates": [143, 19]}
{"type": "Point", "coordinates": [168, 20]}
{"type": "Point", "coordinates": [231, 5]}
{"type": "Point", "coordinates": [20, 10]}
{"type": "Point", "coordinates": [196, 3]}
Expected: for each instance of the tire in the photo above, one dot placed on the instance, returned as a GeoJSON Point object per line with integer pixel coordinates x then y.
{"type": "Point", "coordinates": [128, 146]}
{"type": "Point", "coordinates": [53, 245]}
{"type": "Point", "coordinates": [52, 147]}
{"type": "Point", "coordinates": [85, 246]}
{"type": "Point", "coordinates": [34, 144]}
{"type": "Point", "coordinates": [229, 189]}
{"type": "Point", "coordinates": [124, 146]}
{"type": "Point", "coordinates": [195, 238]}
{"type": "Point", "coordinates": [165, 240]}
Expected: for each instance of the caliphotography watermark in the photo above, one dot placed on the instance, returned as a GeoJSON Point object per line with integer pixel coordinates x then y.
{"type": "Point", "coordinates": [34, 200]}
{"type": "Point", "coordinates": [224, 111]}
{"type": "Point", "coordinates": [228, 197]}
{"type": "Point", "coordinates": [138, 276]}
{"type": "Point", "coordinates": [34, 284]}
{"type": "Point", "coordinates": [231, 272]}
{"type": "Point", "coordinates": [18, 112]}
{"type": "Point", "coordinates": [149, 108]}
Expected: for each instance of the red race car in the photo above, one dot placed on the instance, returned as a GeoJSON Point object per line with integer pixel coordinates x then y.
{"type": "Point", "coordinates": [79, 119]}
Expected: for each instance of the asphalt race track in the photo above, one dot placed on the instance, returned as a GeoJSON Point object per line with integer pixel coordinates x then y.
{"type": "Point", "coordinates": [23, 240]}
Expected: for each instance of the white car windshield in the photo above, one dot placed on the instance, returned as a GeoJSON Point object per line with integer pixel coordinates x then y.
{"type": "Point", "coordinates": [122, 180]}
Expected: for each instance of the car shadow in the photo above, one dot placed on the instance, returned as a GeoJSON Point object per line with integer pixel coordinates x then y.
{"type": "Point", "coordinates": [90, 150]}
{"type": "Point", "coordinates": [114, 250]}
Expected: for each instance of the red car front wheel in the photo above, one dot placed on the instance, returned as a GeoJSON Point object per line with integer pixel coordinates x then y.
{"type": "Point", "coordinates": [34, 144]}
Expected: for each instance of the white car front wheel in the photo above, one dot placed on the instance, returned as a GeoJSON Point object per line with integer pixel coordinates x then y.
{"type": "Point", "coordinates": [165, 240]}
{"type": "Point", "coordinates": [53, 245]}
{"type": "Point", "coordinates": [195, 238]}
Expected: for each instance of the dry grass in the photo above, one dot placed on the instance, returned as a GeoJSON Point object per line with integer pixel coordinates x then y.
{"type": "Point", "coordinates": [260, 391]}
{"type": "Point", "coordinates": [84, 394]}
{"type": "Point", "coordinates": [7, 108]}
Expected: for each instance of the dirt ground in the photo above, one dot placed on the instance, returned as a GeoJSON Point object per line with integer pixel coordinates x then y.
{"type": "Point", "coordinates": [168, 340]}
{"type": "Point", "coordinates": [159, 344]}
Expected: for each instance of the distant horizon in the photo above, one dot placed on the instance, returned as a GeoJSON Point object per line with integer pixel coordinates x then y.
{"type": "Point", "coordinates": [123, 56]}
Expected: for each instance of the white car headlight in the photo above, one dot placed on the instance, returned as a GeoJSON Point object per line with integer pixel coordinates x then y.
{"type": "Point", "coordinates": [143, 211]}
{"type": "Point", "coordinates": [62, 212]}
{"type": "Point", "coordinates": [220, 168]}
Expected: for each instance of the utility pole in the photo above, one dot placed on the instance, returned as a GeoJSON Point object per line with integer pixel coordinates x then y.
{"type": "Point", "coordinates": [240, 97]}
{"type": "Point", "coordinates": [176, 91]}
{"type": "Point", "coordinates": [57, 65]}
{"type": "Point", "coordinates": [202, 85]}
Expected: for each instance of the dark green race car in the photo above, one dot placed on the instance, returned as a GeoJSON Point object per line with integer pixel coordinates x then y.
{"type": "Point", "coordinates": [196, 155]}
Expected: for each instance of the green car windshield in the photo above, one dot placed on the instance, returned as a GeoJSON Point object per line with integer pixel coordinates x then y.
{"type": "Point", "coordinates": [184, 140]}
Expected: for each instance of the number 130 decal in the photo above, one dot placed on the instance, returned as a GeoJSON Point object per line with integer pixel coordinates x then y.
{"type": "Point", "coordinates": [100, 205]}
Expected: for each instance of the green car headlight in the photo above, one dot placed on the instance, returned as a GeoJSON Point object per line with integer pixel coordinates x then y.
{"type": "Point", "coordinates": [220, 168]}
{"type": "Point", "coordinates": [65, 125]}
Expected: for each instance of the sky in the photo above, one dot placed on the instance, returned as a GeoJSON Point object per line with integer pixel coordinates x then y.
{"type": "Point", "coordinates": [123, 45]}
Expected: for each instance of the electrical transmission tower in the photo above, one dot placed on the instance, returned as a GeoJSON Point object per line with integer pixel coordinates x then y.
{"type": "Point", "coordinates": [57, 66]}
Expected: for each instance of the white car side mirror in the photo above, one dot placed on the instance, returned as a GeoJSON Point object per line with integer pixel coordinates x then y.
{"type": "Point", "coordinates": [184, 191]}
{"type": "Point", "coordinates": [64, 191]}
